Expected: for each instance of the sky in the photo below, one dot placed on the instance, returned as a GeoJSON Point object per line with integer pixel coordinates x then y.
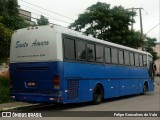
{"type": "Point", "coordinates": [70, 9]}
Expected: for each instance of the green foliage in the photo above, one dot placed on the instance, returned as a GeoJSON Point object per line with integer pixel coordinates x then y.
{"type": "Point", "coordinates": [14, 22]}
{"type": "Point", "coordinates": [42, 21]}
{"type": "Point", "coordinates": [110, 24]}
{"type": "Point", "coordinates": [9, 21]}
{"type": "Point", "coordinates": [148, 46]}
{"type": "Point", "coordinates": [4, 90]}
{"type": "Point", "coordinates": [5, 37]}
{"type": "Point", "coordinates": [10, 15]}
{"type": "Point", "coordinates": [12, 8]}
{"type": "Point", "coordinates": [2, 6]}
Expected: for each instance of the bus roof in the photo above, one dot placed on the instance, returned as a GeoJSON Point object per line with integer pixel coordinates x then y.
{"type": "Point", "coordinates": [67, 31]}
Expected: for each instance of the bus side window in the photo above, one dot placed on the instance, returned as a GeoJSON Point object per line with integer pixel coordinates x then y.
{"type": "Point", "coordinates": [90, 52]}
{"type": "Point", "coordinates": [99, 53]}
{"type": "Point", "coordinates": [121, 57]}
{"type": "Point", "coordinates": [141, 60]}
{"type": "Point", "coordinates": [136, 59]}
{"type": "Point", "coordinates": [126, 57]}
{"type": "Point", "coordinates": [69, 49]}
{"type": "Point", "coordinates": [144, 60]}
{"type": "Point", "coordinates": [108, 55]}
{"type": "Point", "coordinates": [114, 52]}
{"type": "Point", "coordinates": [132, 58]}
{"type": "Point", "coordinates": [80, 50]}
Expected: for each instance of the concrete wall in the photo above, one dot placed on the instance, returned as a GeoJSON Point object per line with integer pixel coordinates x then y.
{"type": "Point", "coordinates": [25, 14]}
{"type": "Point", "coordinates": [157, 49]}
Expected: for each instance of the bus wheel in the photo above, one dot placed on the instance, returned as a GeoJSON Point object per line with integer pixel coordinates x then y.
{"type": "Point", "coordinates": [145, 88]}
{"type": "Point", "coordinates": [97, 94]}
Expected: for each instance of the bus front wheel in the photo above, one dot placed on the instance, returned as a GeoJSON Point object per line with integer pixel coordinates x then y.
{"type": "Point", "coordinates": [97, 94]}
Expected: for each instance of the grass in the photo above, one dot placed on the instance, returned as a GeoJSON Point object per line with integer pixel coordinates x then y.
{"type": "Point", "coordinates": [4, 90]}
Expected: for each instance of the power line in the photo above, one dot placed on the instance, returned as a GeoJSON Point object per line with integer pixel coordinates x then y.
{"type": "Point", "coordinates": [151, 15]}
{"type": "Point", "coordinates": [47, 10]}
{"type": "Point", "coordinates": [49, 16]}
{"type": "Point", "coordinates": [152, 28]}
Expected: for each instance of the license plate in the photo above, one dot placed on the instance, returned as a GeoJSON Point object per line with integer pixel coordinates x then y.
{"type": "Point", "coordinates": [31, 84]}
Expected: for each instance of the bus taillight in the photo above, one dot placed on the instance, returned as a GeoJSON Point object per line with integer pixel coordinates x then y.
{"type": "Point", "coordinates": [56, 82]}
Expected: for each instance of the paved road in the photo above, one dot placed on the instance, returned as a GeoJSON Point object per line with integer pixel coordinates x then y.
{"type": "Point", "coordinates": [149, 102]}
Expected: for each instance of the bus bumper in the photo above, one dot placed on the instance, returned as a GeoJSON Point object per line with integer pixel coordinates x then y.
{"type": "Point", "coordinates": [36, 98]}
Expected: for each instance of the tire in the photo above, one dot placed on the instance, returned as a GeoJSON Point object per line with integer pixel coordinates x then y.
{"type": "Point", "coordinates": [97, 94]}
{"type": "Point", "coordinates": [145, 89]}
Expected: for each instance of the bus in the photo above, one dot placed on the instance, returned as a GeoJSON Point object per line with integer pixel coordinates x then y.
{"type": "Point", "coordinates": [54, 64]}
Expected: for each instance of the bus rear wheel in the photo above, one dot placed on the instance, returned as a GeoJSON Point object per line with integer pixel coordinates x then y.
{"type": "Point", "coordinates": [97, 94]}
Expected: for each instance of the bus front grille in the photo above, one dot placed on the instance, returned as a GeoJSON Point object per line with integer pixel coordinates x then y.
{"type": "Point", "coordinates": [73, 89]}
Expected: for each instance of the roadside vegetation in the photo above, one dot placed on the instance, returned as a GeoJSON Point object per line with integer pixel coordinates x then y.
{"type": "Point", "coordinates": [4, 90]}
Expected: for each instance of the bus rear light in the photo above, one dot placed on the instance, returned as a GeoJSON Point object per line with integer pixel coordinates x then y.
{"type": "Point", "coordinates": [52, 98]}
{"type": "Point", "coordinates": [31, 84]}
{"type": "Point", "coordinates": [56, 82]}
{"type": "Point", "coordinates": [56, 98]}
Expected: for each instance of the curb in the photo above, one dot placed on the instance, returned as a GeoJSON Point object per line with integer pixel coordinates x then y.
{"type": "Point", "coordinates": [17, 107]}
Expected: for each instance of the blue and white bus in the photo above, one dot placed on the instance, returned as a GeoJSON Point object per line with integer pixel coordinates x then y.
{"type": "Point", "coordinates": [53, 64]}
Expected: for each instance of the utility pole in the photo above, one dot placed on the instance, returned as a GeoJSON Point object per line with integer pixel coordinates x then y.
{"type": "Point", "coordinates": [132, 22]}
{"type": "Point", "coordinates": [141, 20]}
{"type": "Point", "coordinates": [141, 25]}
{"type": "Point", "coordinates": [140, 14]}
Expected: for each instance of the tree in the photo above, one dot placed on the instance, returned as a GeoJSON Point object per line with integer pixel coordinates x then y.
{"type": "Point", "coordinates": [148, 46]}
{"type": "Point", "coordinates": [14, 22]}
{"type": "Point", "coordinates": [5, 38]}
{"type": "Point", "coordinates": [3, 7]}
{"type": "Point", "coordinates": [9, 21]}
{"type": "Point", "coordinates": [10, 15]}
{"type": "Point", "coordinates": [110, 24]}
{"type": "Point", "coordinates": [42, 21]}
{"type": "Point", "coordinates": [12, 8]}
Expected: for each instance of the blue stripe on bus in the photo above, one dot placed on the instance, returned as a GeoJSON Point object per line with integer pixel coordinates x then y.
{"type": "Point", "coordinates": [116, 80]}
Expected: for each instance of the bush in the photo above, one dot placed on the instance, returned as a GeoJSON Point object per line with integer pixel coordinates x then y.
{"type": "Point", "coordinates": [4, 90]}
